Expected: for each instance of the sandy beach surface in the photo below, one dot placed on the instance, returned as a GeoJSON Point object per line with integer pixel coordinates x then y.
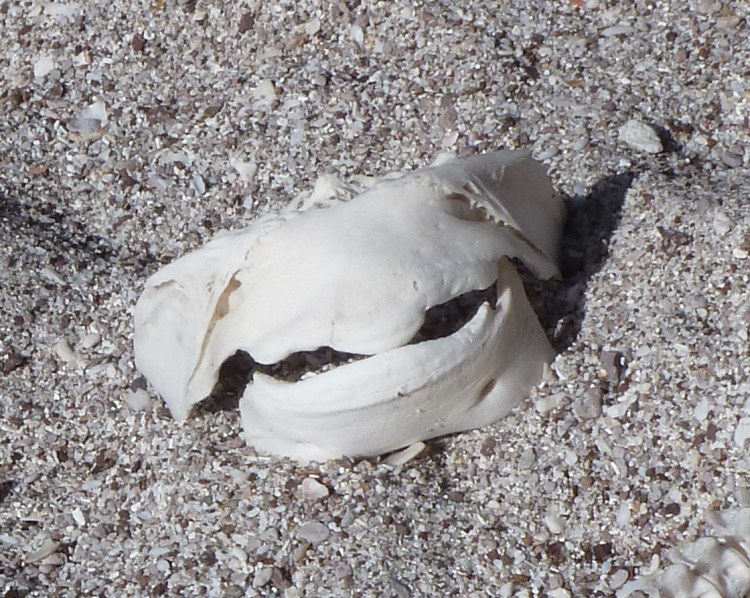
{"type": "Point", "coordinates": [131, 132]}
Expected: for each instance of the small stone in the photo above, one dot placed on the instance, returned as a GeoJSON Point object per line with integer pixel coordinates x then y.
{"type": "Point", "coordinates": [556, 582]}
{"type": "Point", "coordinates": [312, 489]}
{"type": "Point", "coordinates": [348, 518]}
{"type": "Point", "coordinates": [62, 9]}
{"type": "Point", "coordinates": [357, 35]}
{"type": "Point", "coordinates": [617, 30]}
{"type": "Point", "coordinates": [13, 362]}
{"type": "Point", "coordinates": [547, 153]}
{"type": "Point", "coordinates": [640, 136]}
{"type": "Point", "coordinates": [138, 400]}
{"type": "Point", "coordinates": [580, 143]}
{"type": "Point", "coordinates": [90, 120]}
{"type": "Point", "coordinates": [620, 408]}
{"type": "Point", "coordinates": [449, 139]}
{"type": "Point", "coordinates": [722, 223]}
{"type": "Point", "coordinates": [262, 576]}
{"type": "Point", "coordinates": [527, 459]}
{"type": "Point", "coordinates": [265, 92]}
{"type": "Point", "coordinates": [198, 184]}
{"type": "Point", "coordinates": [78, 516]}
{"type": "Point", "coordinates": [138, 43]}
{"type": "Point", "coordinates": [51, 275]}
{"type": "Point", "coordinates": [66, 354]}
{"type": "Point", "coordinates": [707, 7]}
{"type": "Point", "coordinates": [623, 514]}
{"type": "Point", "coordinates": [247, 22]}
{"type": "Point", "coordinates": [544, 405]}
{"type": "Point", "coordinates": [400, 589]}
{"type": "Point", "coordinates": [589, 405]}
{"type": "Point", "coordinates": [90, 341]}
{"type": "Point", "coordinates": [213, 110]}
{"type": "Point", "coordinates": [613, 363]}
{"type": "Point", "coordinates": [555, 524]}
{"type": "Point", "coordinates": [407, 454]}
{"type": "Point", "coordinates": [246, 170]}
{"type": "Point", "coordinates": [701, 411]}
{"type": "Point", "coordinates": [312, 26]}
{"type": "Point", "coordinates": [602, 551]}
{"type": "Point", "coordinates": [728, 22]}
{"type": "Point", "coordinates": [298, 554]}
{"type": "Point", "coordinates": [313, 531]}
{"type": "Point", "coordinates": [55, 92]}
{"type": "Point", "coordinates": [91, 484]}
{"type": "Point", "coordinates": [342, 571]}
{"type": "Point", "coordinates": [571, 458]}
{"type": "Point", "coordinates": [54, 560]}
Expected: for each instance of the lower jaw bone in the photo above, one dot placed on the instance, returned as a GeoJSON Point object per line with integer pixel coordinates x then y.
{"type": "Point", "coordinates": [419, 391]}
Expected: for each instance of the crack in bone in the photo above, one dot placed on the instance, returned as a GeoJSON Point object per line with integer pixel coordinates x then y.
{"type": "Point", "coordinates": [221, 310]}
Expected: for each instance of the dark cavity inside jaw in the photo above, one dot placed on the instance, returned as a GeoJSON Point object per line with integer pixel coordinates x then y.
{"type": "Point", "coordinates": [237, 371]}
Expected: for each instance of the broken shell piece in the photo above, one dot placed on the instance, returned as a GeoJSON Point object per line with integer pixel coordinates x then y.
{"type": "Point", "coordinates": [246, 170]}
{"type": "Point", "coordinates": [265, 92]}
{"type": "Point", "coordinates": [312, 489]}
{"type": "Point", "coordinates": [67, 354]}
{"type": "Point", "coordinates": [357, 279]}
{"type": "Point", "coordinates": [89, 120]}
{"type": "Point", "coordinates": [47, 548]}
{"type": "Point", "coordinates": [405, 455]}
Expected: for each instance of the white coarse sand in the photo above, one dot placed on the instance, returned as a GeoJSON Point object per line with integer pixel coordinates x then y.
{"type": "Point", "coordinates": [132, 131]}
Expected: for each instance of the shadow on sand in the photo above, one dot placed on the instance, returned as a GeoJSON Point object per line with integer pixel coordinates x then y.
{"type": "Point", "coordinates": [592, 219]}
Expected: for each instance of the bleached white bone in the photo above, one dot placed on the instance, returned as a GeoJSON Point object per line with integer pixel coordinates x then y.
{"type": "Point", "coordinates": [359, 277]}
